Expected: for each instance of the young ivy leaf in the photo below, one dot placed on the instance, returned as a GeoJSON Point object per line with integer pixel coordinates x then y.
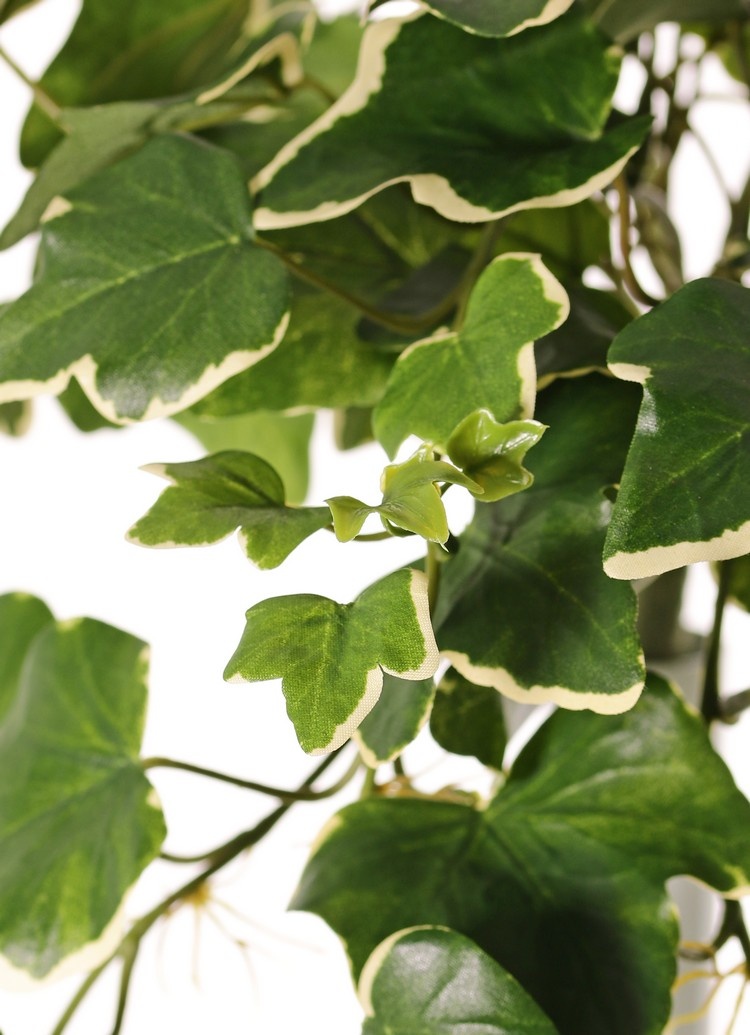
{"type": "Point", "coordinates": [519, 123]}
{"type": "Point", "coordinates": [488, 18]}
{"type": "Point", "coordinates": [411, 499]}
{"type": "Point", "coordinates": [487, 364]}
{"type": "Point", "coordinates": [492, 453]}
{"type": "Point", "coordinates": [435, 981]}
{"type": "Point", "coordinates": [130, 275]}
{"type": "Point", "coordinates": [400, 713]}
{"type": "Point", "coordinates": [685, 491]}
{"type": "Point", "coordinates": [561, 877]}
{"type": "Point", "coordinates": [331, 656]}
{"type": "Point", "coordinates": [209, 498]}
{"type": "Point", "coordinates": [77, 819]}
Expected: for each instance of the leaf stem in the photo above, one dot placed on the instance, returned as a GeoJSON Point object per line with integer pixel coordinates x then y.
{"type": "Point", "coordinates": [710, 701]}
{"type": "Point", "coordinates": [624, 226]}
{"type": "Point", "coordinates": [129, 954]}
{"type": "Point", "coordinates": [41, 97]}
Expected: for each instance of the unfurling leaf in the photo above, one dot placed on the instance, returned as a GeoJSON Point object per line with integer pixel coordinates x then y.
{"type": "Point", "coordinates": [492, 453]}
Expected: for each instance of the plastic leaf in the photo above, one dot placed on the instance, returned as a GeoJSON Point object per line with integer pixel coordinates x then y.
{"type": "Point", "coordinates": [626, 19]}
{"type": "Point", "coordinates": [436, 982]}
{"type": "Point", "coordinates": [560, 878]}
{"type": "Point", "coordinates": [331, 656]}
{"type": "Point", "coordinates": [492, 453]}
{"type": "Point", "coordinates": [130, 276]}
{"type": "Point", "coordinates": [400, 713]}
{"type": "Point", "coordinates": [209, 498]}
{"type": "Point", "coordinates": [487, 364]}
{"type": "Point", "coordinates": [685, 490]}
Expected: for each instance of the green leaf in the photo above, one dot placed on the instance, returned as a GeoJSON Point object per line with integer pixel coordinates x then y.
{"type": "Point", "coordinates": [331, 656]}
{"type": "Point", "coordinates": [411, 499]}
{"type": "Point", "coordinates": [524, 605]}
{"type": "Point", "coordinates": [467, 719]}
{"type": "Point", "coordinates": [331, 57]}
{"type": "Point", "coordinates": [15, 418]}
{"type": "Point", "coordinates": [492, 453]}
{"type": "Point", "coordinates": [685, 490]}
{"type": "Point", "coordinates": [625, 19]}
{"type": "Point", "coordinates": [77, 822]}
{"type": "Point", "coordinates": [488, 18]}
{"type": "Point", "coordinates": [209, 498]}
{"type": "Point", "coordinates": [485, 126]}
{"type": "Point", "coordinates": [22, 616]}
{"type": "Point", "coordinates": [129, 278]}
{"type": "Point", "coordinates": [560, 878]}
{"type": "Point", "coordinates": [568, 239]}
{"type": "Point", "coordinates": [436, 982]}
{"type": "Point", "coordinates": [487, 364]}
{"type": "Point", "coordinates": [400, 713]}
{"type": "Point", "coordinates": [739, 581]}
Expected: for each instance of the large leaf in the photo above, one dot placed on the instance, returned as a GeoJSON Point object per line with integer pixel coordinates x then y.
{"type": "Point", "coordinates": [77, 821]}
{"type": "Point", "coordinates": [436, 982]}
{"type": "Point", "coordinates": [479, 127]}
{"type": "Point", "coordinates": [400, 713]}
{"type": "Point", "coordinates": [685, 491]}
{"type": "Point", "coordinates": [561, 877]}
{"type": "Point", "coordinates": [331, 656]}
{"type": "Point", "coordinates": [487, 364]}
{"type": "Point", "coordinates": [525, 606]}
{"type": "Point", "coordinates": [130, 275]}
{"type": "Point", "coordinates": [21, 618]}
{"type": "Point", "coordinates": [625, 19]}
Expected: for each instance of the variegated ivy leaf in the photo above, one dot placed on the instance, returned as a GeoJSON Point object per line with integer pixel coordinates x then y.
{"type": "Point", "coordinates": [484, 126]}
{"type": "Point", "coordinates": [435, 981]}
{"type": "Point", "coordinates": [411, 499]}
{"type": "Point", "coordinates": [685, 490]}
{"type": "Point", "coordinates": [400, 713]}
{"type": "Point", "coordinates": [15, 418]}
{"type": "Point", "coordinates": [331, 656]}
{"type": "Point", "coordinates": [492, 453]}
{"type": "Point", "coordinates": [467, 719]}
{"type": "Point", "coordinates": [209, 498]}
{"type": "Point", "coordinates": [561, 877]}
{"type": "Point", "coordinates": [78, 822]}
{"type": "Point", "coordinates": [487, 364]}
{"type": "Point", "coordinates": [489, 18]}
{"type": "Point", "coordinates": [130, 273]}
{"type": "Point", "coordinates": [524, 605]}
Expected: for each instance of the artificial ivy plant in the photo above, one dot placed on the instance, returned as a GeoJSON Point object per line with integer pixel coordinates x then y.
{"type": "Point", "coordinates": [437, 224]}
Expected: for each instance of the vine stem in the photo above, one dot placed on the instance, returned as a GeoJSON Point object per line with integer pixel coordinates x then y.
{"type": "Point", "coordinates": [624, 225]}
{"type": "Point", "coordinates": [41, 97]}
{"type": "Point", "coordinates": [217, 860]}
{"type": "Point", "coordinates": [710, 702]}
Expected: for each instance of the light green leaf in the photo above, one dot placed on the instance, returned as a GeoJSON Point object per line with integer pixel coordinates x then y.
{"type": "Point", "coordinates": [489, 18]}
{"type": "Point", "coordinates": [485, 126]}
{"type": "Point", "coordinates": [568, 239]}
{"type": "Point", "coordinates": [209, 498]}
{"type": "Point", "coordinates": [400, 713]}
{"type": "Point", "coordinates": [331, 656]}
{"type": "Point", "coordinates": [685, 490]}
{"type": "Point", "coordinates": [77, 822]}
{"type": "Point", "coordinates": [524, 605]}
{"type": "Point", "coordinates": [411, 499]}
{"type": "Point", "coordinates": [487, 364]}
{"type": "Point", "coordinates": [467, 719]}
{"type": "Point", "coordinates": [15, 418]}
{"type": "Point", "coordinates": [492, 453]}
{"type": "Point", "coordinates": [129, 278]}
{"type": "Point", "coordinates": [625, 19]}
{"type": "Point", "coordinates": [22, 616]}
{"type": "Point", "coordinates": [561, 877]}
{"type": "Point", "coordinates": [436, 982]}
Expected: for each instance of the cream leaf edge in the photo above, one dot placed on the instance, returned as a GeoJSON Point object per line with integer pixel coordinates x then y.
{"type": "Point", "coordinates": [551, 10]}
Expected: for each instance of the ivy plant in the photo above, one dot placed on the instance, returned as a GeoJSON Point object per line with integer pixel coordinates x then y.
{"type": "Point", "coordinates": [439, 225]}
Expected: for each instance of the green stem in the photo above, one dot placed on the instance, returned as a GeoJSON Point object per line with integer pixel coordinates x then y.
{"type": "Point", "coordinates": [433, 569]}
{"type": "Point", "coordinates": [129, 953]}
{"type": "Point", "coordinates": [710, 701]}
{"type": "Point", "coordinates": [734, 705]}
{"type": "Point", "coordinates": [41, 97]}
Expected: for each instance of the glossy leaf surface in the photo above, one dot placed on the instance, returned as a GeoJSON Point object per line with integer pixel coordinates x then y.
{"type": "Point", "coordinates": [331, 656]}
{"type": "Point", "coordinates": [561, 877]}
{"type": "Point", "coordinates": [489, 18]}
{"type": "Point", "coordinates": [685, 490]}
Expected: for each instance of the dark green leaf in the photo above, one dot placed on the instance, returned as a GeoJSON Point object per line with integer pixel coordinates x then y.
{"type": "Point", "coordinates": [437, 982]}
{"type": "Point", "coordinates": [130, 275]}
{"type": "Point", "coordinates": [15, 418]}
{"type": "Point", "coordinates": [561, 877]}
{"type": "Point", "coordinates": [396, 719]}
{"type": "Point", "coordinates": [467, 719]}
{"type": "Point", "coordinates": [685, 490]}
{"type": "Point", "coordinates": [490, 18]}
{"type": "Point", "coordinates": [479, 127]}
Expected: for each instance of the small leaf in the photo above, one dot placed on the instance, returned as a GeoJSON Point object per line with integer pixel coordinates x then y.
{"type": "Point", "coordinates": [400, 713]}
{"type": "Point", "coordinates": [467, 719]}
{"type": "Point", "coordinates": [331, 656]}
{"type": "Point", "coordinates": [436, 982]}
{"type": "Point", "coordinates": [487, 364]}
{"type": "Point", "coordinates": [77, 822]}
{"type": "Point", "coordinates": [488, 18]}
{"type": "Point", "coordinates": [685, 491]}
{"type": "Point", "coordinates": [21, 618]}
{"type": "Point", "coordinates": [209, 498]}
{"type": "Point", "coordinates": [492, 453]}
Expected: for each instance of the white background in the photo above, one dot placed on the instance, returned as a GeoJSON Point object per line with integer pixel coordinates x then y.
{"type": "Point", "coordinates": [68, 500]}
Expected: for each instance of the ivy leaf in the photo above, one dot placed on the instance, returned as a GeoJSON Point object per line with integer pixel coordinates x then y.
{"type": "Point", "coordinates": [560, 878]}
{"type": "Point", "coordinates": [739, 581]}
{"type": "Point", "coordinates": [22, 616]}
{"type": "Point", "coordinates": [685, 490]}
{"type": "Point", "coordinates": [485, 126]}
{"type": "Point", "coordinates": [625, 19]}
{"type": "Point", "coordinates": [487, 364]}
{"type": "Point", "coordinates": [77, 823]}
{"type": "Point", "coordinates": [492, 453]}
{"type": "Point", "coordinates": [488, 18]}
{"type": "Point", "coordinates": [467, 719]}
{"type": "Point", "coordinates": [209, 498]}
{"type": "Point", "coordinates": [524, 605]}
{"type": "Point", "coordinates": [411, 499]}
{"type": "Point", "coordinates": [581, 344]}
{"type": "Point", "coordinates": [437, 982]}
{"type": "Point", "coordinates": [331, 656]}
{"type": "Point", "coordinates": [400, 713]}
{"type": "Point", "coordinates": [128, 280]}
